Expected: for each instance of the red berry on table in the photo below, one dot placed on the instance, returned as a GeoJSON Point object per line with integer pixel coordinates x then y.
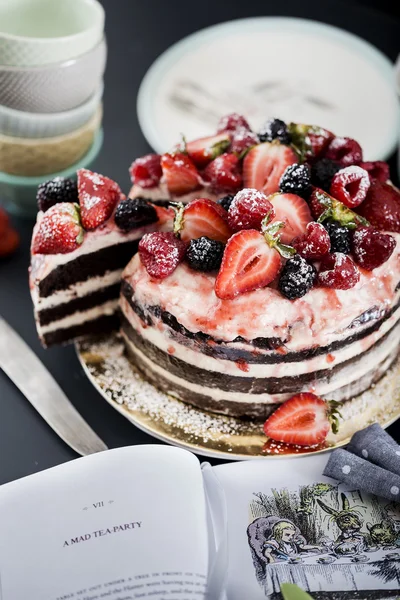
{"type": "Point", "coordinates": [338, 271]}
{"type": "Point", "coordinates": [294, 212]}
{"type": "Point", "coordinates": [180, 173]}
{"type": "Point", "coordinates": [161, 253]}
{"type": "Point", "coordinates": [223, 174]}
{"type": "Point", "coordinates": [314, 243]}
{"type": "Point", "coordinates": [9, 241]}
{"type": "Point", "coordinates": [304, 420]}
{"type": "Point", "coordinates": [377, 169]}
{"type": "Point", "coordinates": [59, 231]}
{"type": "Point", "coordinates": [265, 164]}
{"type": "Point", "coordinates": [248, 209]}
{"type": "Point", "coordinates": [98, 196]}
{"type": "Point", "coordinates": [344, 151]}
{"type": "Point", "coordinates": [4, 221]}
{"type": "Point", "coordinates": [242, 140]}
{"type": "Point", "coordinates": [350, 185]}
{"type": "Point", "coordinates": [203, 150]}
{"type": "Point", "coordinates": [232, 122]}
{"type": "Point", "coordinates": [382, 206]}
{"type": "Point", "coordinates": [371, 248]}
{"type": "Point", "coordinates": [146, 171]}
{"type": "Point", "coordinates": [203, 217]}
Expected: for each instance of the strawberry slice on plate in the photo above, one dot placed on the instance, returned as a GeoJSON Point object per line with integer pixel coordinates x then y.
{"type": "Point", "coordinates": [294, 212]}
{"type": "Point", "coordinates": [265, 164]}
{"type": "Point", "coordinates": [202, 217]}
{"type": "Point", "coordinates": [180, 173]}
{"type": "Point", "coordinates": [98, 196]}
{"type": "Point", "coordinates": [304, 420]}
{"type": "Point", "coordinates": [204, 150]}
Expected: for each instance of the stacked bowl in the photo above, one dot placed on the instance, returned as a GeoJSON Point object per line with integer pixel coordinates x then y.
{"type": "Point", "coordinates": [52, 61]}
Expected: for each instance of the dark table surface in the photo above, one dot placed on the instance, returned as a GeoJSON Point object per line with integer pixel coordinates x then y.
{"type": "Point", "coordinates": [137, 33]}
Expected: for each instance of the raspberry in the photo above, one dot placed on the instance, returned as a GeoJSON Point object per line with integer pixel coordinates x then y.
{"type": "Point", "coordinates": [377, 170]}
{"type": "Point", "coordinates": [226, 201]}
{"type": "Point", "coordinates": [371, 248]}
{"type": "Point", "coordinates": [314, 243]}
{"type": "Point", "coordinates": [223, 174]}
{"type": "Point", "coordinates": [242, 140]}
{"type": "Point", "coordinates": [297, 278]}
{"type": "Point", "coordinates": [344, 151]}
{"type": "Point", "coordinates": [133, 213]}
{"type": "Point", "coordinates": [59, 189]}
{"type": "Point", "coordinates": [338, 271]}
{"type": "Point", "coordinates": [232, 122]}
{"type": "Point", "coordinates": [350, 185]}
{"type": "Point", "coordinates": [204, 254]}
{"type": "Point", "coordinates": [296, 180]}
{"type": "Point", "coordinates": [322, 173]}
{"type": "Point", "coordinates": [161, 253]}
{"type": "Point", "coordinates": [382, 206]}
{"type": "Point", "coordinates": [274, 129]}
{"type": "Point", "coordinates": [340, 237]}
{"type": "Point", "coordinates": [248, 209]}
{"type": "Point", "coordinates": [146, 171]}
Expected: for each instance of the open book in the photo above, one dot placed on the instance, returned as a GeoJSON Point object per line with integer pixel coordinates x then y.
{"type": "Point", "coordinates": [151, 522]}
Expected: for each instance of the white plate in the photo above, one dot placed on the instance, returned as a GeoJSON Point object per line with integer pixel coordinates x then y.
{"type": "Point", "coordinates": [295, 69]}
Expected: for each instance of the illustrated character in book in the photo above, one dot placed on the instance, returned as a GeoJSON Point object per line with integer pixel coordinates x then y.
{"type": "Point", "coordinates": [350, 540]}
{"type": "Point", "coordinates": [310, 493]}
{"type": "Point", "coordinates": [393, 516]}
{"type": "Point", "coordinates": [383, 533]}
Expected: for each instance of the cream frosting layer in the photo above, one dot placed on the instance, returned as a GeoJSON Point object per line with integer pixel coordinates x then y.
{"type": "Point", "coordinates": [79, 317]}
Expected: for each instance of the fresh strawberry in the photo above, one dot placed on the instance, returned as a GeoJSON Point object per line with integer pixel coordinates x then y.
{"type": "Point", "coordinates": [202, 217]}
{"type": "Point", "coordinates": [371, 248]}
{"type": "Point", "coordinates": [180, 173]}
{"type": "Point", "coordinates": [146, 171]}
{"type": "Point", "coordinates": [377, 169]}
{"type": "Point", "coordinates": [223, 174]}
{"type": "Point", "coordinates": [232, 122]}
{"type": "Point", "coordinates": [303, 420]}
{"type": "Point", "coordinates": [249, 263]}
{"type": "Point", "coordinates": [382, 206]}
{"type": "Point", "coordinates": [338, 271]}
{"type": "Point", "coordinates": [310, 140]}
{"type": "Point", "coordinates": [203, 150]}
{"type": "Point", "coordinates": [265, 164]}
{"type": "Point", "coordinates": [324, 207]}
{"type": "Point", "coordinates": [161, 253]}
{"type": "Point", "coordinates": [314, 243]}
{"type": "Point", "coordinates": [59, 231]}
{"type": "Point", "coordinates": [248, 209]}
{"type": "Point", "coordinates": [344, 151]}
{"type": "Point", "coordinates": [294, 212]}
{"type": "Point", "coordinates": [9, 241]}
{"type": "Point", "coordinates": [4, 221]}
{"type": "Point", "coordinates": [350, 185]}
{"type": "Point", "coordinates": [98, 196]}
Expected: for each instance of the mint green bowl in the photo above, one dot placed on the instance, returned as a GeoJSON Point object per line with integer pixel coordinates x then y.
{"type": "Point", "coordinates": [18, 194]}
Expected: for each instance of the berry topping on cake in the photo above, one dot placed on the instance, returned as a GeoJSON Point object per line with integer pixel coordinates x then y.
{"type": "Point", "coordinates": [9, 242]}
{"type": "Point", "coordinates": [161, 253]}
{"type": "Point", "coordinates": [202, 217]}
{"type": "Point", "coordinates": [340, 237]}
{"type": "Point", "coordinates": [382, 206]}
{"type": "Point", "coordinates": [338, 271]}
{"type": "Point", "coordinates": [274, 129]}
{"type": "Point", "coordinates": [265, 164]}
{"type": "Point", "coordinates": [344, 151]}
{"type": "Point", "coordinates": [309, 140]}
{"type": "Point", "coordinates": [180, 173]}
{"type": "Point", "coordinates": [146, 171]}
{"type": "Point", "coordinates": [205, 254]}
{"type": "Point", "coordinates": [314, 243]}
{"type": "Point", "coordinates": [59, 189]}
{"type": "Point", "coordinates": [322, 173]}
{"type": "Point", "coordinates": [59, 231]}
{"type": "Point", "coordinates": [248, 209]}
{"type": "Point", "coordinates": [304, 420]}
{"type": "Point", "coordinates": [203, 150]}
{"type": "Point", "coordinates": [223, 174]}
{"type": "Point", "coordinates": [226, 201]}
{"type": "Point", "coordinates": [232, 122]}
{"type": "Point", "coordinates": [326, 207]}
{"type": "Point", "coordinates": [98, 196]}
{"type": "Point", "coordinates": [132, 213]}
{"type": "Point", "coordinates": [377, 170]}
{"type": "Point", "coordinates": [294, 212]}
{"type": "Point", "coordinates": [296, 180]}
{"type": "Point", "coordinates": [243, 140]}
{"type": "Point", "coordinates": [372, 248]}
{"type": "Point", "coordinates": [297, 278]}
{"type": "Point", "coordinates": [350, 185]}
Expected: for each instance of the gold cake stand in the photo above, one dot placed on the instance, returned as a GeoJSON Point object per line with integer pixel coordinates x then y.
{"type": "Point", "coordinates": [209, 434]}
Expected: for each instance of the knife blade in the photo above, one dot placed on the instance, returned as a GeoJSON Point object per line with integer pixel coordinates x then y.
{"type": "Point", "coordinates": [32, 378]}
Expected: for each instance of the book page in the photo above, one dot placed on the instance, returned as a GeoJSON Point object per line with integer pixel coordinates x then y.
{"type": "Point", "coordinates": [285, 522]}
{"type": "Point", "coordinates": [120, 525]}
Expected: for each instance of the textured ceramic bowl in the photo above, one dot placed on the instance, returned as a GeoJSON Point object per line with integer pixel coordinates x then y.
{"type": "Point", "coordinates": [41, 32]}
{"type": "Point", "coordinates": [53, 88]}
{"type": "Point", "coordinates": [16, 123]}
{"type": "Point", "coordinates": [18, 194]}
{"type": "Point", "coordinates": [21, 156]}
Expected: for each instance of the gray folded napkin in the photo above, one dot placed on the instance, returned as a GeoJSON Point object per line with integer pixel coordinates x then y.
{"type": "Point", "coordinates": [370, 463]}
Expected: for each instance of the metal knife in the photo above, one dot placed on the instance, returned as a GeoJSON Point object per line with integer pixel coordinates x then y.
{"type": "Point", "coordinates": [32, 378]}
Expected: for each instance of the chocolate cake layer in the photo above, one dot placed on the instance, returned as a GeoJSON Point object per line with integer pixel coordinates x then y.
{"type": "Point", "coordinates": [100, 325]}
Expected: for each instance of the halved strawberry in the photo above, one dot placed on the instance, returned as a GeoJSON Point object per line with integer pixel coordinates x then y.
{"type": "Point", "coordinates": [324, 206]}
{"type": "Point", "coordinates": [294, 212]}
{"type": "Point", "coordinates": [202, 217]}
{"type": "Point", "coordinates": [310, 140]}
{"type": "Point", "coordinates": [203, 150]}
{"type": "Point", "coordinates": [304, 420]}
{"type": "Point", "coordinates": [180, 173]}
{"type": "Point", "coordinates": [249, 263]}
{"type": "Point", "coordinates": [265, 164]}
{"type": "Point", "coordinates": [98, 196]}
{"type": "Point", "coordinates": [223, 174]}
{"type": "Point", "coordinates": [59, 231]}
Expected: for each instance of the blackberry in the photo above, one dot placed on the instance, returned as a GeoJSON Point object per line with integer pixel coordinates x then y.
{"type": "Point", "coordinates": [59, 189]}
{"type": "Point", "coordinates": [133, 213]}
{"type": "Point", "coordinates": [296, 180]}
{"type": "Point", "coordinates": [340, 237]}
{"type": "Point", "coordinates": [205, 254]}
{"type": "Point", "coordinates": [322, 173]}
{"type": "Point", "coordinates": [226, 201]}
{"type": "Point", "coordinates": [297, 278]}
{"type": "Point", "coordinates": [274, 129]}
